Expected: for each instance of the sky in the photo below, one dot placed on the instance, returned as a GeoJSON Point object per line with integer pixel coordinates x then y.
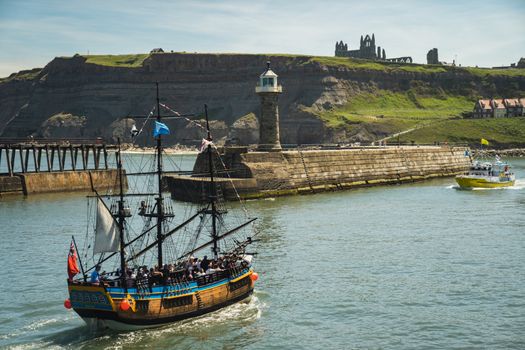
{"type": "Point", "coordinates": [484, 33]}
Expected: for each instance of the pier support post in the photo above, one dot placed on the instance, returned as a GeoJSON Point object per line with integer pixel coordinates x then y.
{"type": "Point", "coordinates": [39, 158]}
{"type": "Point", "coordinates": [85, 156]}
{"type": "Point", "coordinates": [52, 157]}
{"type": "Point", "coordinates": [76, 155]}
{"type": "Point", "coordinates": [35, 161]}
{"type": "Point", "coordinates": [105, 157]}
{"type": "Point", "coordinates": [26, 159]}
{"type": "Point", "coordinates": [61, 157]}
{"type": "Point", "coordinates": [73, 159]}
{"type": "Point", "coordinates": [9, 163]}
{"type": "Point", "coordinates": [97, 156]}
{"type": "Point", "coordinates": [47, 159]}
{"type": "Point", "coordinates": [21, 155]}
{"type": "Point", "coordinates": [13, 155]}
{"type": "Point", "coordinates": [62, 151]}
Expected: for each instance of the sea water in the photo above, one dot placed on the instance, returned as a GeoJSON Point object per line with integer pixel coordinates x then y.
{"type": "Point", "coordinates": [413, 266]}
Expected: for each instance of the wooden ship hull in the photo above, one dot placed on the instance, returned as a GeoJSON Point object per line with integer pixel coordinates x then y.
{"type": "Point", "coordinates": [101, 306]}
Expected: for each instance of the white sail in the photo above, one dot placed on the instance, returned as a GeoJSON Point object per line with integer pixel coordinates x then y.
{"type": "Point", "coordinates": [107, 238]}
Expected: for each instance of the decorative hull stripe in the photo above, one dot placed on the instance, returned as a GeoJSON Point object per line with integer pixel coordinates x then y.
{"type": "Point", "coordinates": [113, 316]}
{"type": "Point", "coordinates": [159, 292]}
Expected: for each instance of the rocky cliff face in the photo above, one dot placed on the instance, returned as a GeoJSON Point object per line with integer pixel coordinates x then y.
{"type": "Point", "coordinates": [105, 95]}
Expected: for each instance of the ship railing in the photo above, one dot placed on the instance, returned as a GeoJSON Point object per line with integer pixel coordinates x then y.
{"type": "Point", "coordinates": [178, 287]}
{"type": "Point", "coordinates": [220, 275]}
{"type": "Point", "coordinates": [237, 271]}
{"type": "Point", "coordinates": [211, 277]}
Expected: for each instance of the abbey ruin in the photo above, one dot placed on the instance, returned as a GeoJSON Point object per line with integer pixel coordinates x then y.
{"type": "Point", "coordinates": [367, 50]}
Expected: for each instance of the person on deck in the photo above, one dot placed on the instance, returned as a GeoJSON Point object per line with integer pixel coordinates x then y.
{"type": "Point", "coordinates": [205, 263]}
{"type": "Point", "coordinates": [95, 276]}
{"type": "Point", "coordinates": [211, 269]}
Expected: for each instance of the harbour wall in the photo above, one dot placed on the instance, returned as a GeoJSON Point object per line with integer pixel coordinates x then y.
{"type": "Point", "coordinates": [265, 174]}
{"type": "Point", "coordinates": [60, 181]}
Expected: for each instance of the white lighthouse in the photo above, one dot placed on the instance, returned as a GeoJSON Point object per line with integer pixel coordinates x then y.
{"type": "Point", "coordinates": [268, 90]}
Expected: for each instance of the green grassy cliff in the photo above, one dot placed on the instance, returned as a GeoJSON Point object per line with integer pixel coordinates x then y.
{"type": "Point", "coordinates": [325, 99]}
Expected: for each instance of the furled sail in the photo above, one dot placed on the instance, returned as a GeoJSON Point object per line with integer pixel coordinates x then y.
{"type": "Point", "coordinates": [107, 238]}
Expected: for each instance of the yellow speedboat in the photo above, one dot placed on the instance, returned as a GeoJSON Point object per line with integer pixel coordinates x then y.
{"type": "Point", "coordinates": [487, 175]}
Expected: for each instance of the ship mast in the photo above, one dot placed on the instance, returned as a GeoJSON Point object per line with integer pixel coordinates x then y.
{"type": "Point", "coordinates": [213, 190]}
{"type": "Point", "coordinates": [121, 219]}
{"type": "Point", "coordinates": [160, 205]}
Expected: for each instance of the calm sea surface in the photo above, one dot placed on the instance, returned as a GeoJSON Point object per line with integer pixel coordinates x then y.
{"type": "Point", "coordinates": [417, 266]}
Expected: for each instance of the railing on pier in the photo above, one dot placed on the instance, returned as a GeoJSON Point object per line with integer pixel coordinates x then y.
{"type": "Point", "coordinates": [358, 145]}
{"type": "Point", "coordinates": [25, 155]}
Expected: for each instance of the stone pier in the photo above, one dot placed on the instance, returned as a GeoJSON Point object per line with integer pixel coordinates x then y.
{"type": "Point", "coordinates": [60, 181]}
{"type": "Point", "coordinates": [267, 174]}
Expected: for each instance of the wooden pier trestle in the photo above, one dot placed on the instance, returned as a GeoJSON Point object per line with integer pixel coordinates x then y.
{"type": "Point", "coordinates": [16, 155]}
{"type": "Point", "coordinates": [42, 166]}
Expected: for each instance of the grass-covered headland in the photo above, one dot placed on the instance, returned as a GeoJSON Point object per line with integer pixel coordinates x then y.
{"type": "Point", "coordinates": [426, 111]}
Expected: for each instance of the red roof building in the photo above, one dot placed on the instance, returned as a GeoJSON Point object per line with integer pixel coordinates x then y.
{"type": "Point", "coordinates": [498, 108]}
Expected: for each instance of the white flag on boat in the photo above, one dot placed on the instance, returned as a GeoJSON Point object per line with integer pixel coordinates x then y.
{"type": "Point", "coordinates": [107, 237]}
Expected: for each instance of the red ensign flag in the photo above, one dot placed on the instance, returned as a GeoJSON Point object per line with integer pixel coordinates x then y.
{"type": "Point", "coordinates": [72, 266]}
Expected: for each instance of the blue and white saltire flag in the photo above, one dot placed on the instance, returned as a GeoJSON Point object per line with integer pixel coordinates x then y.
{"type": "Point", "coordinates": [160, 129]}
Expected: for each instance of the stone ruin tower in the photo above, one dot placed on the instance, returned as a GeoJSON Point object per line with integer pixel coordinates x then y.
{"type": "Point", "coordinates": [268, 90]}
{"type": "Point", "coordinates": [432, 56]}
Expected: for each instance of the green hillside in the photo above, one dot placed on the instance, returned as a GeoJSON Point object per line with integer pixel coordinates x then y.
{"type": "Point", "coordinates": [426, 103]}
{"type": "Point", "coordinates": [384, 105]}
{"type": "Point", "coordinates": [355, 63]}
{"type": "Point", "coordinates": [433, 119]}
{"type": "Point", "coordinates": [435, 115]}
{"type": "Point", "coordinates": [135, 60]}
{"type": "Point", "coordinates": [129, 61]}
{"type": "Point", "coordinates": [500, 132]}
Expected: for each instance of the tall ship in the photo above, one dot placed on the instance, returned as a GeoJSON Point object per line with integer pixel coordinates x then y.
{"type": "Point", "coordinates": [144, 263]}
{"type": "Point", "coordinates": [487, 174]}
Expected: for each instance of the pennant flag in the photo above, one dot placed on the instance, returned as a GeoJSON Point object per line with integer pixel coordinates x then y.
{"type": "Point", "coordinates": [72, 266]}
{"type": "Point", "coordinates": [134, 131]}
{"type": "Point", "coordinates": [160, 129]}
{"type": "Point", "coordinates": [204, 145]}
{"type": "Point", "coordinates": [484, 142]}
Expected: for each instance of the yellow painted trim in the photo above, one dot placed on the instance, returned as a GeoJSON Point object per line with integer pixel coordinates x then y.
{"type": "Point", "coordinates": [241, 277]}
{"type": "Point", "coordinates": [94, 289]}
{"type": "Point", "coordinates": [87, 288]}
